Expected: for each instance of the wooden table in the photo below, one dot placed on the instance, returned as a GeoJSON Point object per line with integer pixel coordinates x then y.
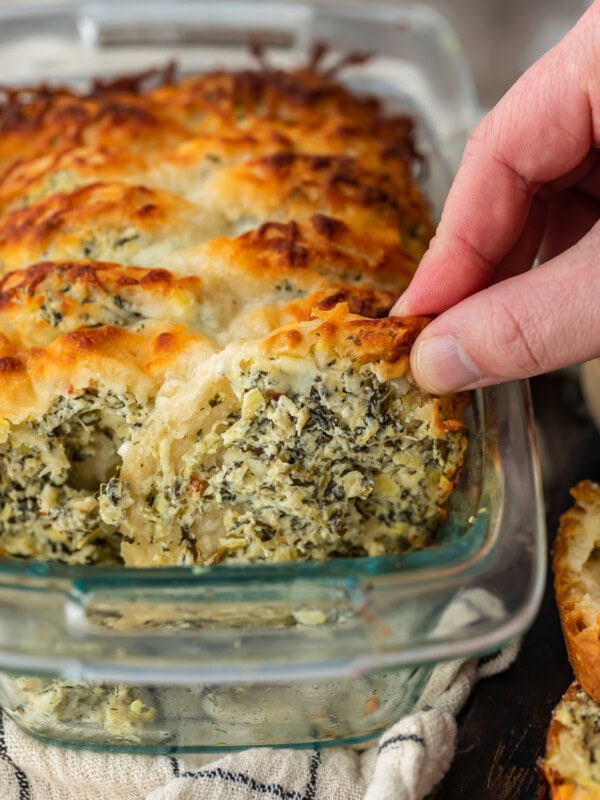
{"type": "Point", "coordinates": [502, 730]}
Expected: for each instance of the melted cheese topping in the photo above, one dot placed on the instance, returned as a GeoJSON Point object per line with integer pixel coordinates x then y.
{"type": "Point", "coordinates": [572, 762]}
{"type": "Point", "coordinates": [195, 359]}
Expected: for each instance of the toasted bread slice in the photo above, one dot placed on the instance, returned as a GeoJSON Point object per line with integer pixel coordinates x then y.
{"type": "Point", "coordinates": [577, 584]}
{"type": "Point", "coordinates": [571, 767]}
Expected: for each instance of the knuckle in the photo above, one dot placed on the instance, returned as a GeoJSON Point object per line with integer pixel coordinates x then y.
{"type": "Point", "coordinates": [517, 337]}
{"type": "Point", "coordinates": [492, 140]}
{"type": "Point", "coordinates": [478, 140]}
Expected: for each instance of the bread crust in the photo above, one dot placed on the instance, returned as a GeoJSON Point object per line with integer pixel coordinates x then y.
{"type": "Point", "coordinates": [98, 220]}
{"type": "Point", "coordinates": [106, 356]}
{"type": "Point", "coordinates": [576, 588]}
{"type": "Point", "coordinates": [44, 301]}
{"type": "Point", "coordinates": [321, 245]}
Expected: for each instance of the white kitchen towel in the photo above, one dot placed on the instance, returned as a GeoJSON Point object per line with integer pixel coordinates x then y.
{"type": "Point", "coordinates": [407, 762]}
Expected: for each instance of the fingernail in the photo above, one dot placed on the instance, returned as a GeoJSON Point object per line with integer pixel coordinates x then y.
{"type": "Point", "coordinates": [442, 365]}
{"type": "Point", "coordinates": [398, 309]}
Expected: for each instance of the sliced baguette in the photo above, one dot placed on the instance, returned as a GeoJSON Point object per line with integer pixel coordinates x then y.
{"type": "Point", "coordinates": [572, 764]}
{"type": "Point", "coordinates": [576, 564]}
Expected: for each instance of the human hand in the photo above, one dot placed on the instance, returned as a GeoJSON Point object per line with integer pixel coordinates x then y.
{"type": "Point", "coordinates": [530, 176]}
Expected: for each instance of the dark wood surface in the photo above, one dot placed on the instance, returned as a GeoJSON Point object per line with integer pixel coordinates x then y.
{"type": "Point", "coordinates": [503, 727]}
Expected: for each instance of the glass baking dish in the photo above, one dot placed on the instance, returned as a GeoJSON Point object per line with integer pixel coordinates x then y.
{"type": "Point", "coordinates": [176, 659]}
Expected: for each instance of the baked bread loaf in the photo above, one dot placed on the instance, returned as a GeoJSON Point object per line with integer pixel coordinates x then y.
{"type": "Point", "coordinates": [577, 584]}
{"type": "Point", "coordinates": [571, 767]}
{"type": "Point", "coordinates": [196, 362]}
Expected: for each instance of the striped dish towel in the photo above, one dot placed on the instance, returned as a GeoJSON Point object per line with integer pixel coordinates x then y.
{"type": "Point", "coordinates": [405, 764]}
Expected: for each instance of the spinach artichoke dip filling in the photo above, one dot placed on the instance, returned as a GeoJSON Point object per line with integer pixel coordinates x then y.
{"type": "Point", "coordinates": [123, 712]}
{"type": "Point", "coordinates": [349, 466]}
{"type": "Point", "coordinates": [52, 470]}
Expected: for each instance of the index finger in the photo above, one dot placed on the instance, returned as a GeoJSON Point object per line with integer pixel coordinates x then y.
{"type": "Point", "coordinates": [540, 130]}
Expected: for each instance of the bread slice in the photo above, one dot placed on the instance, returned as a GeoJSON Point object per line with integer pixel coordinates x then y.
{"type": "Point", "coordinates": [571, 767]}
{"type": "Point", "coordinates": [311, 443]}
{"type": "Point", "coordinates": [577, 584]}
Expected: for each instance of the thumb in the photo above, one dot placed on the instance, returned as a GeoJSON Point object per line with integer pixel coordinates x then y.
{"type": "Point", "coordinates": [532, 323]}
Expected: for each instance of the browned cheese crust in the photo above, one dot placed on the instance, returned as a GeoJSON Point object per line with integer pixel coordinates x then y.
{"type": "Point", "coordinates": [243, 199]}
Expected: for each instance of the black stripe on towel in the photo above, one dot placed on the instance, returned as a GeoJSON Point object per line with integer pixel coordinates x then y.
{"type": "Point", "coordinates": [311, 787]}
{"type": "Point", "coordinates": [270, 789]}
{"type": "Point", "coordinates": [22, 781]}
{"type": "Point", "coordinates": [489, 658]}
{"type": "Point", "coordinates": [402, 737]}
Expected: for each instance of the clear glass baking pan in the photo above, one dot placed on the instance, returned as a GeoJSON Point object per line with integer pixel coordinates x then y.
{"type": "Point", "coordinates": [217, 657]}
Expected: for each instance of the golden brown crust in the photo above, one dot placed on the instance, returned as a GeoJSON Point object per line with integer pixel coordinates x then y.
{"type": "Point", "coordinates": [94, 220]}
{"type": "Point", "coordinates": [27, 180]}
{"type": "Point", "coordinates": [307, 96]}
{"type": "Point", "coordinates": [107, 356]}
{"type": "Point", "coordinates": [329, 173]}
{"type": "Point", "coordinates": [576, 584]}
{"type": "Point", "coordinates": [387, 341]}
{"type": "Point", "coordinates": [361, 301]}
{"type": "Point", "coordinates": [51, 277]}
{"type": "Point", "coordinates": [127, 110]}
{"type": "Point", "coordinates": [321, 245]}
{"type": "Point", "coordinates": [186, 164]}
{"type": "Point", "coordinates": [44, 301]}
{"type": "Point", "coordinates": [265, 143]}
{"type": "Point", "coordinates": [287, 185]}
{"type": "Point", "coordinates": [33, 121]}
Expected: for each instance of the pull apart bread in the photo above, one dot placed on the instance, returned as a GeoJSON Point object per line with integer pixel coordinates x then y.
{"type": "Point", "coordinates": [196, 363]}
